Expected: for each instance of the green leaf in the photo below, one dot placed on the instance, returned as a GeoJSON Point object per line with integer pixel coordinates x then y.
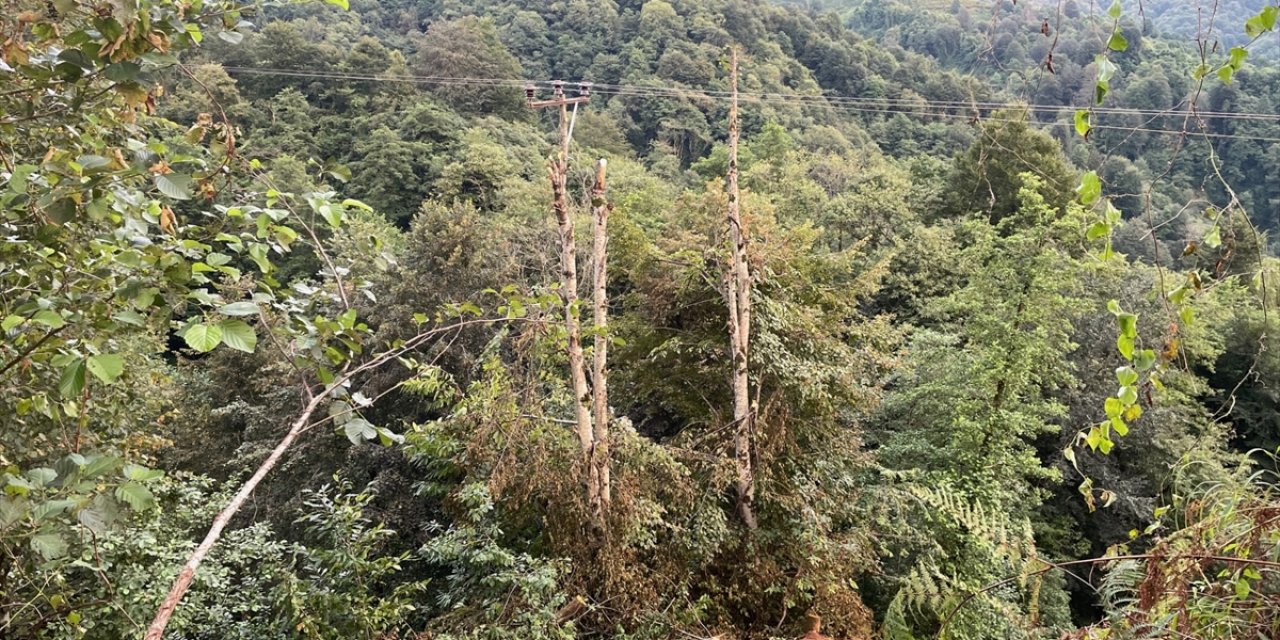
{"type": "Point", "coordinates": [94, 519]}
{"type": "Point", "coordinates": [1083, 126]}
{"type": "Point", "coordinates": [1121, 427]}
{"type": "Point", "coordinates": [1269, 16]}
{"type": "Point", "coordinates": [106, 367]}
{"type": "Point", "coordinates": [1126, 376]}
{"type": "Point", "coordinates": [242, 308]}
{"type": "Point", "coordinates": [339, 3]}
{"type": "Point", "coordinates": [1114, 407]}
{"type": "Point", "coordinates": [72, 381]}
{"type": "Point", "coordinates": [203, 337]}
{"type": "Point", "coordinates": [62, 211]}
{"type": "Point", "coordinates": [129, 316]}
{"type": "Point", "coordinates": [1237, 57]}
{"type": "Point", "coordinates": [174, 185]}
{"type": "Point", "coordinates": [1111, 213]}
{"type": "Point", "coordinates": [140, 473]}
{"type": "Point", "coordinates": [50, 546]}
{"type": "Point", "coordinates": [1125, 345]}
{"type": "Point", "coordinates": [18, 181]}
{"type": "Point", "coordinates": [339, 172]}
{"type": "Point", "coordinates": [1128, 395]}
{"type": "Point", "coordinates": [358, 430]}
{"type": "Point", "coordinates": [123, 71]}
{"type": "Point", "coordinates": [1090, 188]}
{"type": "Point", "coordinates": [98, 465]}
{"type": "Point", "coordinates": [331, 214]}
{"type": "Point", "coordinates": [1258, 25]}
{"type": "Point", "coordinates": [258, 252]}
{"type": "Point", "coordinates": [1225, 74]}
{"type": "Point", "coordinates": [1106, 70]}
{"type": "Point", "coordinates": [238, 335]}
{"type": "Point", "coordinates": [388, 437]}
{"type": "Point", "coordinates": [1117, 42]}
{"type": "Point", "coordinates": [135, 495]}
{"type": "Point", "coordinates": [1098, 230]}
{"type": "Point", "coordinates": [1094, 438]}
{"type": "Point", "coordinates": [1146, 359]}
{"type": "Point", "coordinates": [1115, 10]}
{"type": "Point", "coordinates": [1213, 239]}
{"type": "Point", "coordinates": [1128, 324]}
{"type": "Point", "coordinates": [48, 318]}
{"type": "Point", "coordinates": [51, 508]}
{"type": "Point", "coordinates": [42, 476]}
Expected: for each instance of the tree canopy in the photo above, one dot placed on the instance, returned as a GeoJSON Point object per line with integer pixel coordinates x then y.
{"type": "Point", "coordinates": [638, 319]}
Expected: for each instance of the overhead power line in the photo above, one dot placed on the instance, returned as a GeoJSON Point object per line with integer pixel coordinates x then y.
{"type": "Point", "coordinates": [922, 107]}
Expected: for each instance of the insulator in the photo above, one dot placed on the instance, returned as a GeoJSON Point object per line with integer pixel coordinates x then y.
{"type": "Point", "coordinates": [558, 87]}
{"type": "Point", "coordinates": [528, 92]}
{"type": "Point", "coordinates": [584, 89]}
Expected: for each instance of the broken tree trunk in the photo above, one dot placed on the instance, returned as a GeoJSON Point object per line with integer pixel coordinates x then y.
{"type": "Point", "coordinates": [559, 172]}
{"type": "Point", "coordinates": [599, 462]}
{"type": "Point", "coordinates": [738, 296]}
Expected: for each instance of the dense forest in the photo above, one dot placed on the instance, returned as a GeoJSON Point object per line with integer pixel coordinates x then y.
{"type": "Point", "coordinates": [639, 319]}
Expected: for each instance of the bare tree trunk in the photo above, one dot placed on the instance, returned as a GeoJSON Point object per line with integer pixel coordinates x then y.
{"type": "Point", "coordinates": [183, 582]}
{"type": "Point", "coordinates": [738, 297]}
{"type": "Point", "coordinates": [600, 464]}
{"type": "Point", "coordinates": [569, 289]}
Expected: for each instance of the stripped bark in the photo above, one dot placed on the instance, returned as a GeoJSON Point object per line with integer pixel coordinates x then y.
{"type": "Point", "coordinates": [559, 172]}
{"type": "Point", "coordinates": [737, 289]}
{"type": "Point", "coordinates": [599, 462]}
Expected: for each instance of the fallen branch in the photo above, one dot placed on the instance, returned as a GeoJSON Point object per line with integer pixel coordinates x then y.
{"type": "Point", "coordinates": [301, 424]}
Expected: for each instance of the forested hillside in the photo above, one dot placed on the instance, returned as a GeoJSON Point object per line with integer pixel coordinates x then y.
{"type": "Point", "coordinates": [639, 319]}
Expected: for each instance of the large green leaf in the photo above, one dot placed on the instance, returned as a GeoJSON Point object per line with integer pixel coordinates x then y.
{"type": "Point", "coordinates": [1118, 42]}
{"type": "Point", "coordinates": [18, 181]}
{"type": "Point", "coordinates": [72, 381]}
{"type": "Point", "coordinates": [238, 335]}
{"type": "Point", "coordinates": [50, 546]}
{"type": "Point", "coordinates": [358, 430]}
{"type": "Point", "coordinates": [50, 508]}
{"type": "Point", "coordinates": [242, 308]}
{"type": "Point", "coordinates": [106, 367]}
{"type": "Point", "coordinates": [49, 318]}
{"type": "Point", "coordinates": [1090, 188]}
{"type": "Point", "coordinates": [203, 337]}
{"type": "Point", "coordinates": [174, 185]}
{"type": "Point", "coordinates": [140, 473]}
{"type": "Point", "coordinates": [1083, 126]}
{"type": "Point", "coordinates": [135, 495]}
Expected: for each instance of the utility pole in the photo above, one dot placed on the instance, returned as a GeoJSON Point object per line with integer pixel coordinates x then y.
{"type": "Point", "coordinates": [592, 430]}
{"type": "Point", "coordinates": [737, 289]}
